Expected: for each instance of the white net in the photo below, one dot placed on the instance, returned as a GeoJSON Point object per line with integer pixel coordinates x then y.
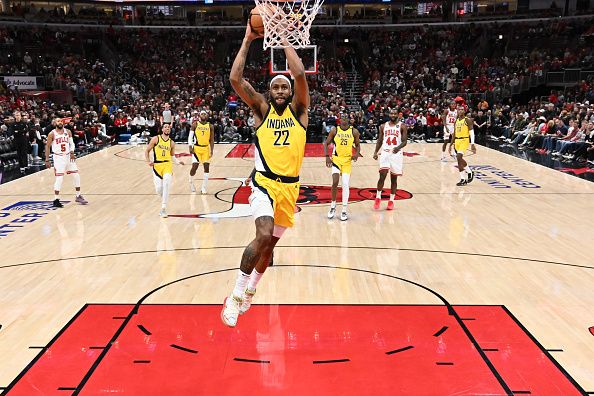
{"type": "Point", "coordinates": [287, 23]}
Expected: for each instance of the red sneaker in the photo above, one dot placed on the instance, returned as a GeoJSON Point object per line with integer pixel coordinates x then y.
{"type": "Point", "coordinates": [390, 205]}
{"type": "Point", "coordinates": [376, 205]}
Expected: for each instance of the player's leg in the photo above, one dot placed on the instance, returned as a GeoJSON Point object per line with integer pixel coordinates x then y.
{"type": "Point", "coordinates": [263, 263]}
{"type": "Point", "coordinates": [395, 171]}
{"type": "Point", "coordinates": [446, 140]}
{"type": "Point", "coordinates": [72, 169]}
{"type": "Point", "coordinates": [205, 179]}
{"type": "Point", "coordinates": [346, 176]}
{"type": "Point", "coordinates": [334, 190]}
{"type": "Point", "coordinates": [380, 187]}
{"type": "Point", "coordinates": [462, 165]}
{"type": "Point", "coordinates": [158, 182]}
{"type": "Point", "coordinates": [263, 212]}
{"type": "Point", "coordinates": [167, 176]}
{"type": "Point", "coordinates": [59, 170]}
{"type": "Point", "coordinates": [195, 165]}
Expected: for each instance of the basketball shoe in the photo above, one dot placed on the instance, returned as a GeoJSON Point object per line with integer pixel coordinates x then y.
{"type": "Point", "coordinates": [81, 200]}
{"type": "Point", "coordinates": [344, 216]}
{"type": "Point", "coordinates": [246, 302]}
{"type": "Point", "coordinates": [230, 311]}
{"type": "Point", "coordinates": [376, 204]}
{"type": "Point", "coordinates": [390, 205]}
{"type": "Point", "coordinates": [470, 176]}
{"type": "Point", "coordinates": [331, 213]}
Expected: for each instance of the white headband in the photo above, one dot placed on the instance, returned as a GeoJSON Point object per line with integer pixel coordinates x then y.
{"type": "Point", "coordinates": [282, 76]}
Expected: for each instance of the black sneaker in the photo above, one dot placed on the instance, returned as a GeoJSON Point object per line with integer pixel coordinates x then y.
{"type": "Point", "coordinates": [470, 176]}
{"type": "Point", "coordinates": [462, 183]}
{"type": "Point", "coordinates": [57, 203]}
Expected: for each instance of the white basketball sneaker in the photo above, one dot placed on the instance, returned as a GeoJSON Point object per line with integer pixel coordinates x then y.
{"type": "Point", "coordinates": [247, 301]}
{"type": "Point", "coordinates": [331, 213]}
{"type": "Point", "coordinates": [230, 311]}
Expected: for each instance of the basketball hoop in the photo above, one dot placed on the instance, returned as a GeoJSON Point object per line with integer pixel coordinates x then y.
{"type": "Point", "coordinates": [287, 23]}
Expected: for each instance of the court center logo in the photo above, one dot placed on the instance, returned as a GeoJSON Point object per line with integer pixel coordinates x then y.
{"type": "Point", "coordinates": [11, 222]}
{"type": "Point", "coordinates": [308, 195]}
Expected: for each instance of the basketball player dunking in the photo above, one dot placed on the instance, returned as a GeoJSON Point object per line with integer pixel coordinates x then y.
{"type": "Point", "coordinates": [201, 146]}
{"type": "Point", "coordinates": [461, 139]}
{"type": "Point", "coordinates": [344, 137]}
{"type": "Point", "coordinates": [61, 145]}
{"type": "Point", "coordinates": [449, 119]}
{"type": "Point", "coordinates": [391, 139]}
{"type": "Point", "coordinates": [280, 147]}
{"type": "Point", "coordinates": [163, 150]}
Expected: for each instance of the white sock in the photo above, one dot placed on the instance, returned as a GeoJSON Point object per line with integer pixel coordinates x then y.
{"type": "Point", "coordinates": [333, 204]}
{"type": "Point", "coordinates": [254, 279]}
{"type": "Point", "coordinates": [240, 283]}
{"type": "Point", "coordinates": [205, 181]}
{"type": "Point", "coordinates": [166, 188]}
{"type": "Point", "coordinates": [56, 197]}
{"type": "Point", "coordinates": [191, 179]}
{"type": "Point", "coordinates": [77, 194]}
{"type": "Point", "coordinates": [467, 169]}
{"type": "Point", "coordinates": [463, 175]}
{"type": "Point", "coordinates": [345, 190]}
{"type": "Point", "coordinates": [392, 196]}
{"type": "Point", "coordinates": [76, 177]}
{"type": "Point", "coordinates": [378, 194]}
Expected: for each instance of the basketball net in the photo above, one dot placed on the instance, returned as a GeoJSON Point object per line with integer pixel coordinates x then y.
{"type": "Point", "coordinates": [287, 23]}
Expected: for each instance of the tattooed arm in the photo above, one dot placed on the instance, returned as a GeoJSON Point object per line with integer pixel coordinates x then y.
{"type": "Point", "coordinates": [256, 101]}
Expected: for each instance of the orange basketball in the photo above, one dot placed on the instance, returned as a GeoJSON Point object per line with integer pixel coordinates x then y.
{"type": "Point", "coordinates": [256, 22]}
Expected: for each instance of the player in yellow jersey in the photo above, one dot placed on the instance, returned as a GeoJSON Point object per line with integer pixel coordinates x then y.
{"type": "Point", "coordinates": [461, 139]}
{"type": "Point", "coordinates": [282, 121]}
{"type": "Point", "coordinates": [201, 146]}
{"type": "Point", "coordinates": [159, 155]}
{"type": "Point", "coordinates": [344, 137]}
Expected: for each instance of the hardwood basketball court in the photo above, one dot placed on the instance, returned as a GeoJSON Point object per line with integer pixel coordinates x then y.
{"type": "Point", "coordinates": [483, 289]}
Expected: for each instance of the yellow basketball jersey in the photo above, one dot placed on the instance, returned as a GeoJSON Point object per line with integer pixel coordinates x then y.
{"type": "Point", "coordinates": [202, 134]}
{"type": "Point", "coordinates": [461, 129]}
{"type": "Point", "coordinates": [280, 143]}
{"type": "Point", "coordinates": [162, 150]}
{"type": "Point", "coordinates": [343, 142]}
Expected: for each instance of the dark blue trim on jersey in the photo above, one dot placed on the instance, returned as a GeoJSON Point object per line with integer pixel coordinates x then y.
{"type": "Point", "coordinates": [259, 187]}
{"type": "Point", "coordinates": [158, 175]}
{"type": "Point", "coordinates": [297, 118]}
{"type": "Point", "coordinates": [257, 144]}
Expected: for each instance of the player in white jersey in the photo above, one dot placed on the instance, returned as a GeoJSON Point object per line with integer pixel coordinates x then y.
{"type": "Point", "coordinates": [391, 139]}
{"type": "Point", "coordinates": [60, 142]}
{"type": "Point", "coordinates": [449, 119]}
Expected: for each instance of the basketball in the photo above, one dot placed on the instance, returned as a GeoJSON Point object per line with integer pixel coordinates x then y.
{"type": "Point", "coordinates": [256, 22]}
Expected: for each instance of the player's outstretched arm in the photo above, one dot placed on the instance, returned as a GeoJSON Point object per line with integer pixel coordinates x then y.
{"type": "Point", "coordinates": [256, 101]}
{"type": "Point", "coordinates": [380, 141]}
{"type": "Point", "coordinates": [357, 144]}
{"type": "Point", "coordinates": [301, 90]}
{"type": "Point", "coordinates": [326, 144]}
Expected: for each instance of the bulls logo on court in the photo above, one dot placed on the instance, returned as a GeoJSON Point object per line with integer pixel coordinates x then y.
{"type": "Point", "coordinates": [308, 195]}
